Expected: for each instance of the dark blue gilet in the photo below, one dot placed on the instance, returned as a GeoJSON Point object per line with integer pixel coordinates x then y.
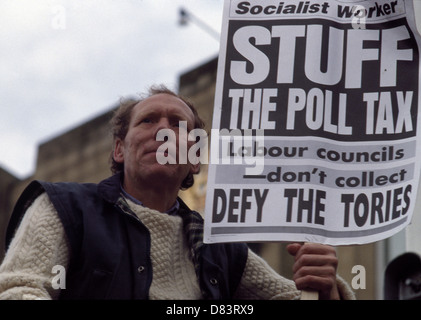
{"type": "Point", "coordinates": [110, 247]}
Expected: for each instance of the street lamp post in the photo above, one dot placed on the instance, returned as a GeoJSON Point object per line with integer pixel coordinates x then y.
{"type": "Point", "coordinates": [186, 16]}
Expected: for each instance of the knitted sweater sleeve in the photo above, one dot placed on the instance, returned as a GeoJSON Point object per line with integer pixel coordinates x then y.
{"type": "Point", "coordinates": [39, 244]}
{"type": "Point", "coordinates": [261, 282]}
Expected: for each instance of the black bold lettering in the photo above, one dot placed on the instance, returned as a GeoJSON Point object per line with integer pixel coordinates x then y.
{"type": "Point", "coordinates": [396, 203]}
{"type": "Point", "coordinates": [290, 194]}
{"type": "Point", "coordinates": [245, 204]}
{"type": "Point", "coordinates": [318, 219]}
{"type": "Point", "coordinates": [406, 199]}
{"type": "Point", "coordinates": [260, 200]}
{"type": "Point", "coordinates": [305, 205]}
{"type": "Point", "coordinates": [219, 195]}
{"type": "Point", "coordinates": [242, 7]}
{"type": "Point", "coordinates": [361, 201]}
{"type": "Point", "coordinates": [347, 199]}
{"type": "Point", "coordinates": [233, 204]}
{"type": "Point", "coordinates": [377, 200]}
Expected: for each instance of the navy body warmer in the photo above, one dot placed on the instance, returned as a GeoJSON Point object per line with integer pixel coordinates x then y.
{"type": "Point", "coordinates": [110, 247]}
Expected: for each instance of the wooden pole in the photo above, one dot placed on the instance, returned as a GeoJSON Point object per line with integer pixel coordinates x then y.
{"type": "Point", "coordinates": [309, 295]}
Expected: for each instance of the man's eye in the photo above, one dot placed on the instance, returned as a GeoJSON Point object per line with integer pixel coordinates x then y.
{"type": "Point", "coordinates": [145, 120]}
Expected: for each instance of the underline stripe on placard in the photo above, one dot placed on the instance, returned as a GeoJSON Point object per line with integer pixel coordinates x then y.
{"type": "Point", "coordinates": [306, 230]}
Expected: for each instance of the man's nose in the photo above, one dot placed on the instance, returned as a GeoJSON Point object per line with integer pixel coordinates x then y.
{"type": "Point", "coordinates": [162, 126]}
{"type": "Point", "coordinates": [163, 123]}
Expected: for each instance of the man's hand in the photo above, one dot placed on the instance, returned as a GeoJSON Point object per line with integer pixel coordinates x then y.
{"type": "Point", "coordinates": [315, 268]}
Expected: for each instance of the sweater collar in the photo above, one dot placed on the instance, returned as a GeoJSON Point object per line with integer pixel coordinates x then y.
{"type": "Point", "coordinates": [112, 188]}
{"type": "Point", "coordinates": [172, 211]}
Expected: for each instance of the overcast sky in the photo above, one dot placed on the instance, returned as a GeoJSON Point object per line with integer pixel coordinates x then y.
{"type": "Point", "coordinates": [64, 62]}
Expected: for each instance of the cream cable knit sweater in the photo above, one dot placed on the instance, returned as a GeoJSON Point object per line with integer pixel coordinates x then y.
{"type": "Point", "coordinates": [40, 243]}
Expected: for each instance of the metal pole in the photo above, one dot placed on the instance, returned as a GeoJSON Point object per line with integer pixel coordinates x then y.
{"type": "Point", "coordinates": [186, 16]}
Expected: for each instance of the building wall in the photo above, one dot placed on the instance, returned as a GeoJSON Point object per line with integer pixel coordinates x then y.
{"type": "Point", "coordinates": [82, 155]}
{"type": "Point", "coordinates": [8, 183]}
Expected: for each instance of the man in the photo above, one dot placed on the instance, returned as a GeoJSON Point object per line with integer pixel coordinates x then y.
{"type": "Point", "coordinates": [131, 237]}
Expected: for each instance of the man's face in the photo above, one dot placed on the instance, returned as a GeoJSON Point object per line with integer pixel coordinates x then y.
{"type": "Point", "coordinates": [139, 149]}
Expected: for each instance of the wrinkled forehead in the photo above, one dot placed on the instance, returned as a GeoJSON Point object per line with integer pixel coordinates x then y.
{"type": "Point", "coordinates": [164, 104]}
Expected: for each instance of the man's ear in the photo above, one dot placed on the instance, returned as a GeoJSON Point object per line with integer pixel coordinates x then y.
{"type": "Point", "coordinates": [118, 153]}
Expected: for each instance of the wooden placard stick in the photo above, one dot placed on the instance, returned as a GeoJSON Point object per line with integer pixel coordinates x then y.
{"type": "Point", "coordinates": [309, 295]}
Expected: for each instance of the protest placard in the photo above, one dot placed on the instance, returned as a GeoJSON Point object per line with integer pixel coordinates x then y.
{"type": "Point", "coordinates": [315, 134]}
